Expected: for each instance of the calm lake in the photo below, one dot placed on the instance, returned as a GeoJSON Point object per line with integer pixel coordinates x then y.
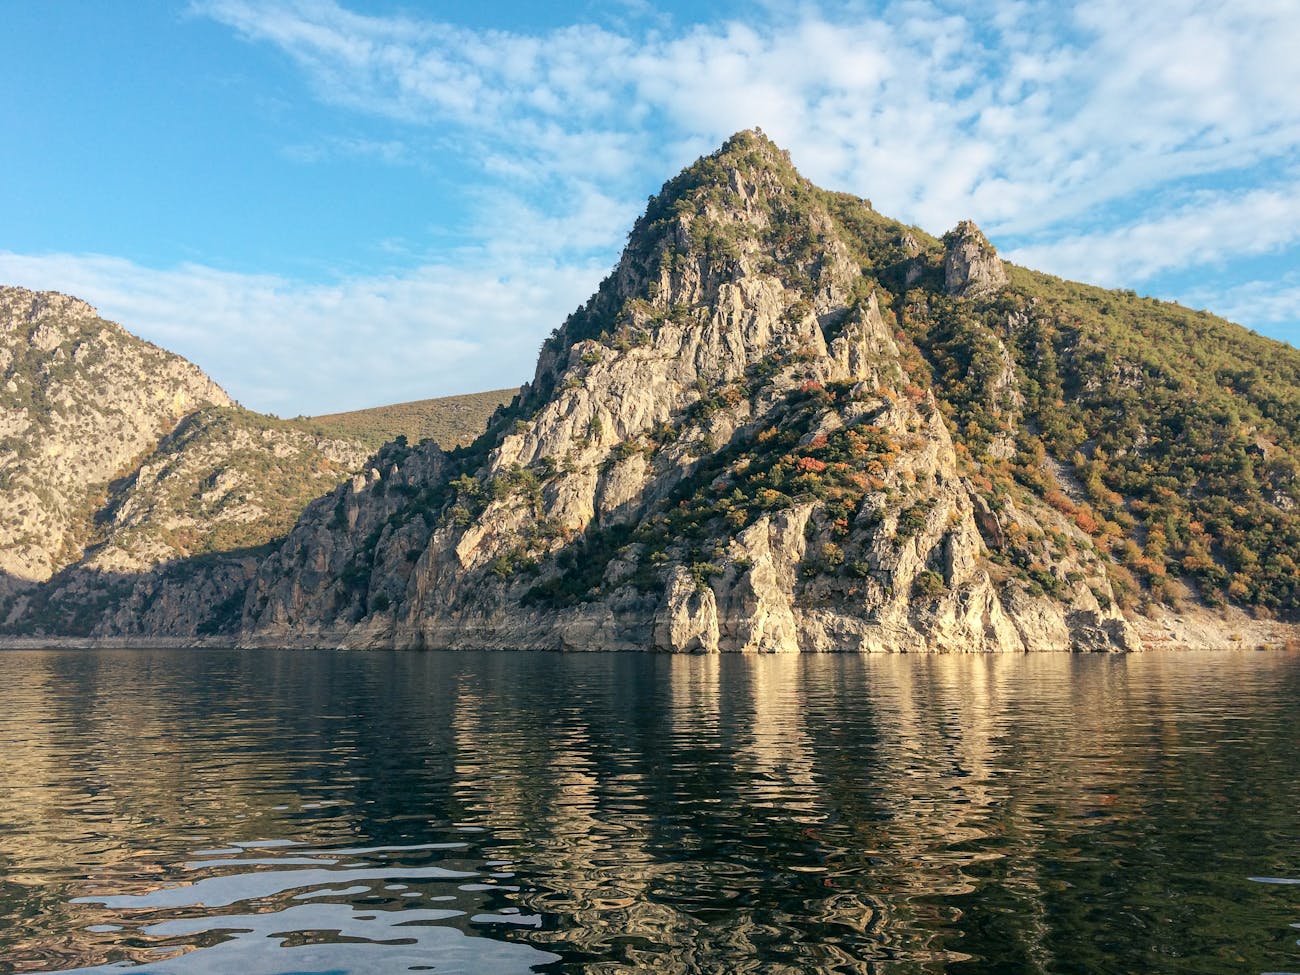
{"type": "Point", "coordinates": [274, 812]}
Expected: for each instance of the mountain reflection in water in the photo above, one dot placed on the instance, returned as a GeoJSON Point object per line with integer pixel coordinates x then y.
{"type": "Point", "coordinates": [271, 812]}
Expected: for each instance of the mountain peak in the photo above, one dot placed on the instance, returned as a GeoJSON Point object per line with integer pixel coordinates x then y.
{"type": "Point", "coordinates": [772, 428]}
{"type": "Point", "coordinates": [739, 211]}
{"type": "Point", "coordinates": [754, 146]}
{"type": "Point", "coordinates": [748, 165]}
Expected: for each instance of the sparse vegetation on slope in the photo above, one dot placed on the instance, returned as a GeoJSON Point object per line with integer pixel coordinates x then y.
{"type": "Point", "coordinates": [1178, 428]}
{"type": "Point", "coordinates": [81, 400]}
{"type": "Point", "coordinates": [118, 458]}
{"type": "Point", "coordinates": [226, 478]}
{"type": "Point", "coordinates": [723, 449]}
{"type": "Point", "coordinates": [449, 421]}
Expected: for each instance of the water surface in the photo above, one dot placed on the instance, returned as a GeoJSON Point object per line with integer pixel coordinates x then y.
{"type": "Point", "coordinates": [273, 812]}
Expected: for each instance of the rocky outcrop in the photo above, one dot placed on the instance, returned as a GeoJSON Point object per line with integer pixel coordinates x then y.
{"type": "Point", "coordinates": [784, 423]}
{"type": "Point", "coordinates": [132, 489]}
{"type": "Point", "coordinates": [224, 479]}
{"type": "Point", "coordinates": [687, 620]}
{"type": "Point", "coordinates": [351, 554]}
{"type": "Point", "coordinates": [971, 267]}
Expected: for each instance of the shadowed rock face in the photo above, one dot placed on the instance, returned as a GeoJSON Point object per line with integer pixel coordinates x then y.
{"type": "Point", "coordinates": [721, 451]}
{"type": "Point", "coordinates": [119, 462]}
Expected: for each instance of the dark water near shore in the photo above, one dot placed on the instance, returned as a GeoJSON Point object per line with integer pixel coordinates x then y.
{"type": "Point", "coordinates": [214, 812]}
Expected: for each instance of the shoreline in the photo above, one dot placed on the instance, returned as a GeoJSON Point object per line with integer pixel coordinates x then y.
{"type": "Point", "coordinates": [1173, 632]}
{"type": "Point", "coordinates": [115, 643]}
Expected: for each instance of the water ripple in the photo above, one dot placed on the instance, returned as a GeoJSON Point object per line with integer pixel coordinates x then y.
{"type": "Point", "coordinates": [199, 812]}
{"type": "Point", "coordinates": [331, 938]}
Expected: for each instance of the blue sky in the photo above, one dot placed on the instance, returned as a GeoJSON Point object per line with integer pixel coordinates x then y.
{"type": "Point", "coordinates": [330, 205]}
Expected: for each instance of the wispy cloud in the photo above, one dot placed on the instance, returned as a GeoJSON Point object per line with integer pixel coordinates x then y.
{"type": "Point", "coordinates": [1211, 228]}
{"type": "Point", "coordinates": [1261, 303]}
{"type": "Point", "coordinates": [390, 151]}
{"type": "Point", "coordinates": [290, 348]}
{"type": "Point", "coordinates": [1019, 116]}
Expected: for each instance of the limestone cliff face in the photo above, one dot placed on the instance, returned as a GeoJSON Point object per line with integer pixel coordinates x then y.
{"type": "Point", "coordinates": [783, 423]}
{"type": "Point", "coordinates": [722, 451]}
{"type": "Point", "coordinates": [353, 551]}
{"type": "Point", "coordinates": [80, 400]}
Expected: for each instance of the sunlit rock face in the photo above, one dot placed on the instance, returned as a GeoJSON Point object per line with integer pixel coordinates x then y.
{"type": "Point", "coordinates": [971, 267]}
{"type": "Point", "coordinates": [783, 423]}
{"type": "Point", "coordinates": [80, 399]}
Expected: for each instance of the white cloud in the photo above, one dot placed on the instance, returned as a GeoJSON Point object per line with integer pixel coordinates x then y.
{"type": "Point", "coordinates": [1025, 116]}
{"type": "Point", "coordinates": [1208, 230]}
{"type": "Point", "coordinates": [1032, 118]}
{"type": "Point", "coordinates": [287, 347]}
{"type": "Point", "coordinates": [1257, 304]}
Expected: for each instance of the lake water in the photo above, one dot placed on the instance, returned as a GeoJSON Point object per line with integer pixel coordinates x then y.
{"type": "Point", "coordinates": [276, 812]}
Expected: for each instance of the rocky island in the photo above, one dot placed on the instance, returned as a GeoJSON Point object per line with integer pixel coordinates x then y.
{"type": "Point", "coordinates": [783, 423]}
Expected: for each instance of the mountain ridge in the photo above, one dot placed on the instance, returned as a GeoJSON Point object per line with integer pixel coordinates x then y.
{"type": "Point", "coordinates": [451, 421]}
{"type": "Point", "coordinates": [580, 457]}
{"type": "Point", "coordinates": [74, 418]}
{"type": "Point", "coordinates": [786, 422]}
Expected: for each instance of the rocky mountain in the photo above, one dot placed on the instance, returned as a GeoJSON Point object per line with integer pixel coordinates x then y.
{"type": "Point", "coordinates": [81, 401]}
{"type": "Point", "coordinates": [786, 422]}
{"type": "Point", "coordinates": [120, 461]}
{"type": "Point", "coordinates": [179, 536]}
{"type": "Point", "coordinates": [135, 495]}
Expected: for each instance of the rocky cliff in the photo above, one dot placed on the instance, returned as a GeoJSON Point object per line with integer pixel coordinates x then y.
{"type": "Point", "coordinates": [178, 540]}
{"type": "Point", "coordinates": [722, 451]}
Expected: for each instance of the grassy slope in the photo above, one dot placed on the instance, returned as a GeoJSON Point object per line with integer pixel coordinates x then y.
{"type": "Point", "coordinates": [450, 421]}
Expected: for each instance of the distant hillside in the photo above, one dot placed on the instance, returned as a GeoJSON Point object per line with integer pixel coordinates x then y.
{"type": "Point", "coordinates": [449, 421]}
{"type": "Point", "coordinates": [135, 496]}
{"type": "Point", "coordinates": [119, 459]}
{"type": "Point", "coordinates": [81, 402]}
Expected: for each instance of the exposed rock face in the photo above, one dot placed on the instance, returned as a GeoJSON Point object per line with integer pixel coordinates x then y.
{"type": "Point", "coordinates": [971, 266]}
{"type": "Point", "coordinates": [80, 400]}
{"type": "Point", "coordinates": [224, 479]}
{"type": "Point", "coordinates": [352, 550]}
{"type": "Point", "coordinates": [722, 451]}
{"type": "Point", "coordinates": [784, 423]}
